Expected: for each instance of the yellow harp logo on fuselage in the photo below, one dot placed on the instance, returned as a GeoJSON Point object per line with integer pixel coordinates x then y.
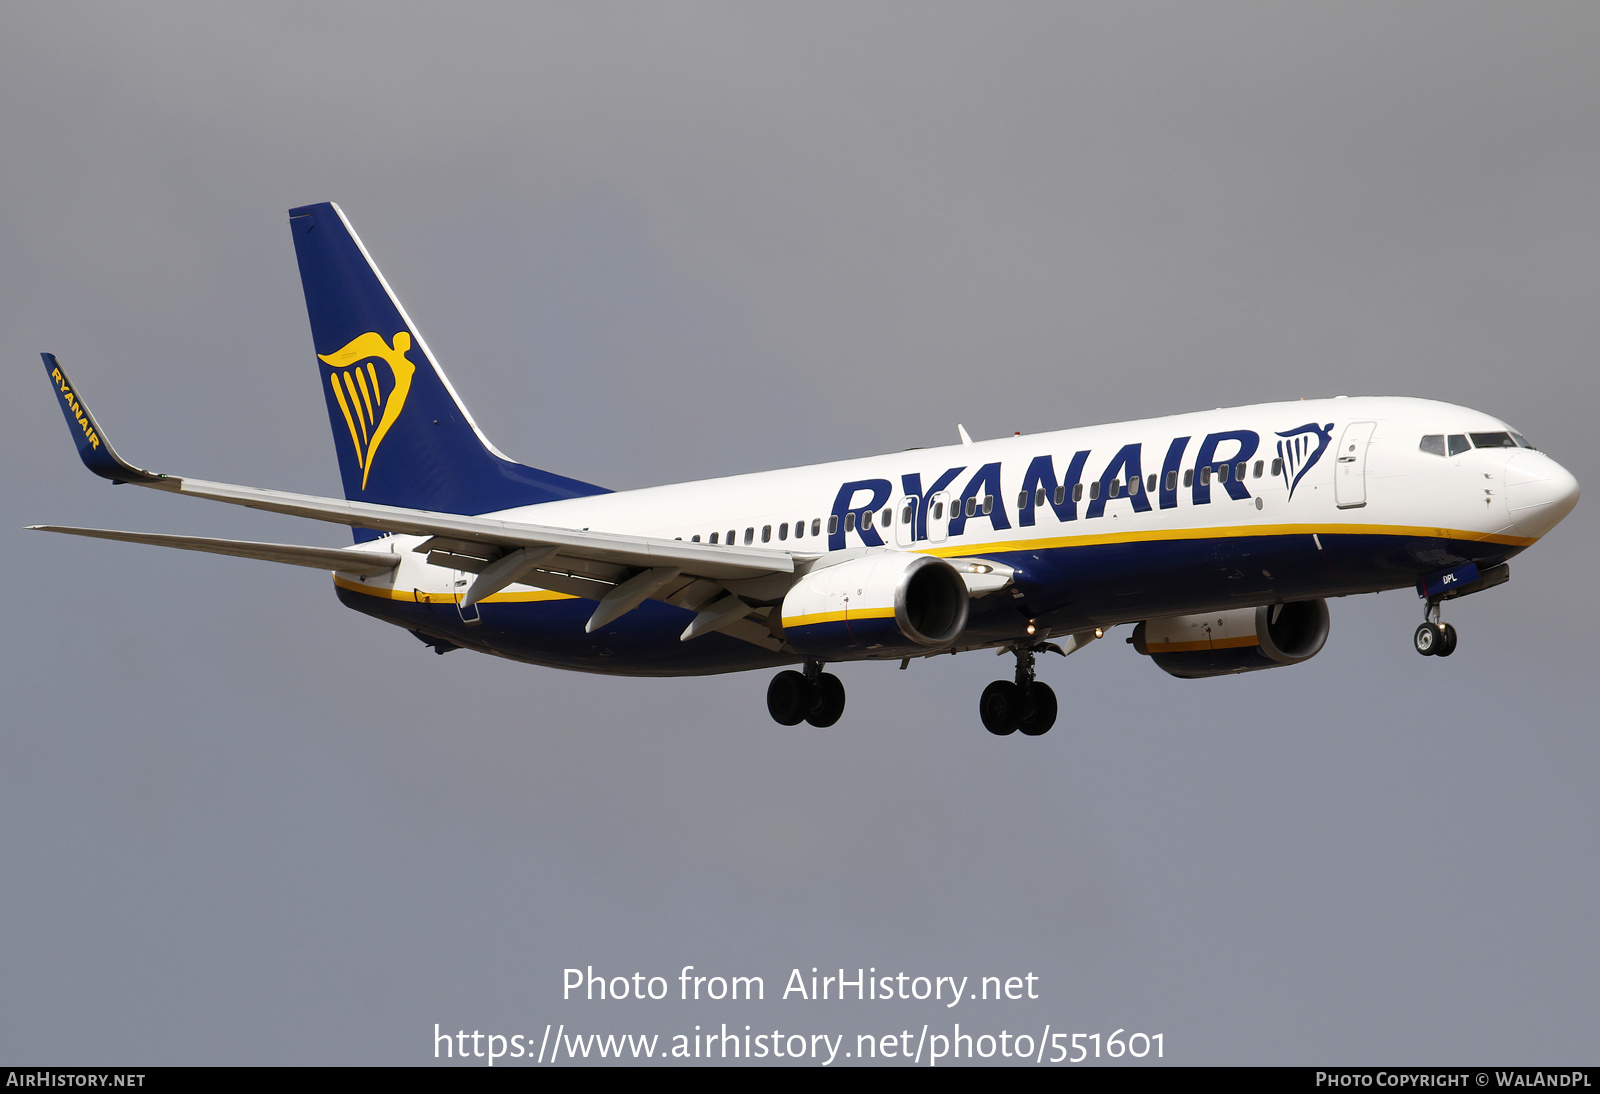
{"type": "Point", "coordinates": [369, 410]}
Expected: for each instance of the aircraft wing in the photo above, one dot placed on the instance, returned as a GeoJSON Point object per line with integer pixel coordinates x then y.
{"type": "Point", "coordinates": [622, 571]}
{"type": "Point", "coordinates": [730, 562]}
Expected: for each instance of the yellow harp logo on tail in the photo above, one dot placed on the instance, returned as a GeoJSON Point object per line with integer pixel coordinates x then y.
{"type": "Point", "coordinates": [369, 408]}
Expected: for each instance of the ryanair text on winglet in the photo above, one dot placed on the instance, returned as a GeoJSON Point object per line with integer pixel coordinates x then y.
{"type": "Point", "coordinates": [73, 405]}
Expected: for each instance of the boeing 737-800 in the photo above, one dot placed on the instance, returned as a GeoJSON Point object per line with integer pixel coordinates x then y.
{"type": "Point", "coordinates": [1219, 535]}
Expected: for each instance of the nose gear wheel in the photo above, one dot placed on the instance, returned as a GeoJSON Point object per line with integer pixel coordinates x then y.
{"type": "Point", "coordinates": [1434, 637]}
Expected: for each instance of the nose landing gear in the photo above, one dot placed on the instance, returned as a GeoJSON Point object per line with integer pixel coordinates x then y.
{"type": "Point", "coordinates": [814, 696]}
{"type": "Point", "coordinates": [1434, 638]}
{"type": "Point", "coordinates": [1009, 705]}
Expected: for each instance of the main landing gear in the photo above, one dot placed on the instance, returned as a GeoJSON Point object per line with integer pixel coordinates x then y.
{"type": "Point", "coordinates": [813, 696]}
{"type": "Point", "coordinates": [1434, 638]}
{"type": "Point", "coordinates": [1025, 704]}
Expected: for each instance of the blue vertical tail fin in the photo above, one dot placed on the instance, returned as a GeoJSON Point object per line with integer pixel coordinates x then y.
{"type": "Point", "coordinates": [402, 435]}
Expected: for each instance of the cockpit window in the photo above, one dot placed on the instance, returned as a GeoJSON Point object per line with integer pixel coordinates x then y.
{"type": "Point", "coordinates": [1458, 443]}
{"type": "Point", "coordinates": [1493, 440]}
{"type": "Point", "coordinates": [1432, 444]}
{"type": "Point", "coordinates": [1524, 442]}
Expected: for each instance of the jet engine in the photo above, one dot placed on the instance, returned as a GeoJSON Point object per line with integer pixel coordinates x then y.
{"type": "Point", "coordinates": [889, 604]}
{"type": "Point", "coordinates": [1242, 640]}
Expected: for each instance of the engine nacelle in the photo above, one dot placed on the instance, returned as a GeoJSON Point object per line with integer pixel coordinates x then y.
{"type": "Point", "coordinates": [1242, 640]}
{"type": "Point", "coordinates": [890, 604]}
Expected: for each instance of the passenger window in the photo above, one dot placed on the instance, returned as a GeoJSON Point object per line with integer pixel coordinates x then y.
{"type": "Point", "coordinates": [732, 537]}
{"type": "Point", "coordinates": [1188, 477]}
{"type": "Point", "coordinates": [694, 539]}
{"type": "Point", "coordinates": [1116, 487]}
{"type": "Point", "coordinates": [766, 533]}
{"type": "Point", "coordinates": [1133, 485]}
{"type": "Point", "coordinates": [1432, 444]}
{"type": "Point", "coordinates": [1277, 468]}
{"type": "Point", "coordinates": [1038, 497]}
{"type": "Point", "coordinates": [938, 510]}
{"type": "Point", "coordinates": [1061, 495]}
{"type": "Point", "coordinates": [833, 525]}
{"type": "Point", "coordinates": [905, 514]}
{"type": "Point", "coordinates": [1172, 481]}
{"type": "Point", "coordinates": [1458, 443]}
{"type": "Point", "coordinates": [1238, 471]}
{"type": "Point", "coordinates": [713, 537]}
{"type": "Point", "coordinates": [1205, 476]}
{"type": "Point", "coordinates": [1094, 489]}
{"type": "Point", "coordinates": [1022, 500]}
{"type": "Point", "coordinates": [888, 517]}
{"type": "Point", "coordinates": [1222, 473]}
{"type": "Point", "coordinates": [1257, 474]}
{"type": "Point", "coordinates": [783, 531]}
{"type": "Point", "coordinates": [1077, 492]}
{"type": "Point", "coordinates": [799, 529]}
{"type": "Point", "coordinates": [988, 504]}
{"type": "Point", "coordinates": [1151, 485]}
{"type": "Point", "coordinates": [849, 522]}
{"type": "Point", "coordinates": [749, 536]}
{"type": "Point", "coordinates": [1493, 440]}
{"type": "Point", "coordinates": [972, 506]}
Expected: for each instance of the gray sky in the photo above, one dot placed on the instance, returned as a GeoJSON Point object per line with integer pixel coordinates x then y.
{"type": "Point", "coordinates": [239, 823]}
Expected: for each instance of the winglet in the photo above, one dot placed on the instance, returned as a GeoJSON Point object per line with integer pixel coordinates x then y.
{"type": "Point", "coordinates": [93, 448]}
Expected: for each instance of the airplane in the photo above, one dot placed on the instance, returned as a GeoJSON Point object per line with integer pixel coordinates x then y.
{"type": "Point", "coordinates": [1219, 536]}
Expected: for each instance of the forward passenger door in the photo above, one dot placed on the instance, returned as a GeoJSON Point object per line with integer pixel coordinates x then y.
{"type": "Point", "coordinates": [1350, 471]}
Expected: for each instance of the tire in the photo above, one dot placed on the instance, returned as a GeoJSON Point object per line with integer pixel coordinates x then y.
{"type": "Point", "coordinates": [1001, 708]}
{"type": "Point", "coordinates": [1447, 644]}
{"type": "Point", "coordinates": [827, 701]}
{"type": "Point", "coordinates": [1041, 711]}
{"type": "Point", "coordinates": [1426, 639]}
{"type": "Point", "coordinates": [788, 697]}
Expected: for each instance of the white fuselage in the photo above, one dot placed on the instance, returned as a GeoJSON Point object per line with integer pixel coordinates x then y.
{"type": "Point", "coordinates": [1508, 496]}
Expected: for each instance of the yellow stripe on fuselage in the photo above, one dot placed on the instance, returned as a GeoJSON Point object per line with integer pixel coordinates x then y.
{"type": "Point", "coordinates": [384, 592]}
{"type": "Point", "coordinates": [1236, 531]}
{"type": "Point", "coordinates": [1000, 546]}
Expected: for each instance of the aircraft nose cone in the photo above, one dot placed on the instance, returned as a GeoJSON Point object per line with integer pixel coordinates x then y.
{"type": "Point", "coordinates": [1539, 492]}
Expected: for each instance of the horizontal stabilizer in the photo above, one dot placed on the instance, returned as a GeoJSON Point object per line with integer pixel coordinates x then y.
{"type": "Point", "coordinates": [365, 563]}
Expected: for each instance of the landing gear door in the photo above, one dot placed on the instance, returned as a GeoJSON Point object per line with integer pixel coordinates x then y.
{"type": "Point", "coordinates": [939, 517]}
{"type": "Point", "coordinates": [1350, 470]}
{"type": "Point", "coordinates": [905, 522]}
